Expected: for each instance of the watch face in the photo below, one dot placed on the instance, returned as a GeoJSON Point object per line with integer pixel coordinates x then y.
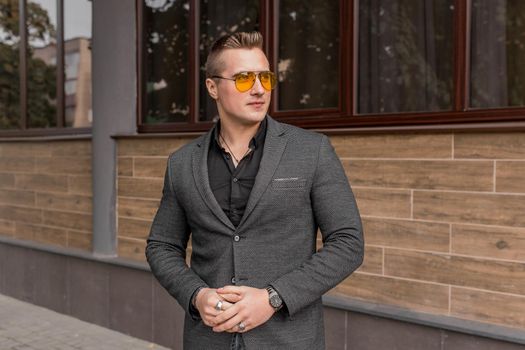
{"type": "Point", "coordinates": [275, 301]}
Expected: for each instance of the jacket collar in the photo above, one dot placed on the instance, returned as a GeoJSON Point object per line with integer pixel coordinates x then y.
{"type": "Point", "coordinates": [274, 146]}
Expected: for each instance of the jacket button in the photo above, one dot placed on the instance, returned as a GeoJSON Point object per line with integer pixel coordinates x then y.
{"type": "Point", "coordinates": [233, 280]}
{"type": "Point", "coordinates": [235, 179]}
{"type": "Point", "coordinates": [236, 238]}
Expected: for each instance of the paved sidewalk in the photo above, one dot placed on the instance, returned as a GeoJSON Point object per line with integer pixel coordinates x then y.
{"type": "Point", "coordinates": [24, 326]}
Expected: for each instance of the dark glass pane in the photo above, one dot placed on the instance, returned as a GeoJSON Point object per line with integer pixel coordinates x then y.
{"type": "Point", "coordinates": [9, 61]}
{"type": "Point", "coordinates": [308, 65]}
{"type": "Point", "coordinates": [405, 56]}
{"type": "Point", "coordinates": [497, 76]}
{"type": "Point", "coordinates": [41, 63]}
{"type": "Point", "coordinates": [167, 64]}
{"type": "Point", "coordinates": [218, 18]}
{"type": "Point", "coordinates": [77, 63]}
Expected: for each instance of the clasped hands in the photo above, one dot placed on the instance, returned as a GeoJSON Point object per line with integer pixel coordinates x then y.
{"type": "Point", "coordinates": [240, 304]}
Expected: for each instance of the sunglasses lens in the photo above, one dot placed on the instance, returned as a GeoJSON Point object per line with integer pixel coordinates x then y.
{"type": "Point", "coordinates": [268, 80]}
{"type": "Point", "coordinates": [244, 81]}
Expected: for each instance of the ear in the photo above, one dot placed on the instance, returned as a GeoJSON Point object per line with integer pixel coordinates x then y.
{"type": "Point", "coordinates": [211, 85]}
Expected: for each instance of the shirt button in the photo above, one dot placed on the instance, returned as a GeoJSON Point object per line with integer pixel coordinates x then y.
{"type": "Point", "coordinates": [236, 238]}
{"type": "Point", "coordinates": [233, 280]}
{"type": "Point", "coordinates": [235, 179]}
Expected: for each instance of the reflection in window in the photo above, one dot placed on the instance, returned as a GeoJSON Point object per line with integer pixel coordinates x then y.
{"type": "Point", "coordinates": [167, 64]}
{"type": "Point", "coordinates": [405, 56]}
{"type": "Point", "coordinates": [41, 63]}
{"type": "Point", "coordinates": [9, 60]}
{"type": "Point", "coordinates": [218, 19]}
{"type": "Point", "coordinates": [497, 53]}
{"type": "Point", "coordinates": [77, 63]}
{"type": "Point", "coordinates": [308, 66]}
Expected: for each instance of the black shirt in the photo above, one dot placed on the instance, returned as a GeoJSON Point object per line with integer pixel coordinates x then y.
{"type": "Point", "coordinates": [232, 185]}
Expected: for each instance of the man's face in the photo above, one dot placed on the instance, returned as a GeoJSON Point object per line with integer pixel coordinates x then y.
{"type": "Point", "coordinates": [245, 108]}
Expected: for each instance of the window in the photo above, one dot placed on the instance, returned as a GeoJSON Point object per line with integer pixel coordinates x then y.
{"type": "Point", "coordinates": [405, 56]}
{"type": "Point", "coordinates": [47, 80]}
{"type": "Point", "coordinates": [497, 73]}
{"type": "Point", "coordinates": [342, 63]}
{"type": "Point", "coordinates": [166, 52]}
{"type": "Point", "coordinates": [308, 55]}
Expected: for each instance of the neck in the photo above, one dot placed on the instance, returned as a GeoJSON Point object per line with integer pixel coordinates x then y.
{"type": "Point", "coordinates": [238, 135]}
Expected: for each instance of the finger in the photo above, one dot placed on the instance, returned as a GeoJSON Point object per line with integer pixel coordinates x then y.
{"type": "Point", "coordinates": [226, 315]}
{"type": "Point", "coordinates": [211, 312]}
{"type": "Point", "coordinates": [232, 298]}
{"type": "Point", "coordinates": [226, 305]}
{"type": "Point", "coordinates": [232, 323]}
{"type": "Point", "coordinates": [213, 303]}
{"type": "Point", "coordinates": [233, 330]}
{"type": "Point", "coordinates": [230, 290]}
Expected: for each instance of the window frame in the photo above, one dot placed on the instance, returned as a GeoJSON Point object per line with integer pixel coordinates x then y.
{"type": "Point", "coordinates": [345, 116]}
{"type": "Point", "coordinates": [60, 128]}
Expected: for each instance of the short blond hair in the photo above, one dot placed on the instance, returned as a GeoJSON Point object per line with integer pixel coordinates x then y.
{"type": "Point", "coordinates": [240, 40]}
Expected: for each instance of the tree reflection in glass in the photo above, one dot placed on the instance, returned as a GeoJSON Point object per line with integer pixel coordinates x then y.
{"type": "Point", "coordinates": [497, 73]}
{"type": "Point", "coordinates": [41, 63]}
{"type": "Point", "coordinates": [166, 55]}
{"type": "Point", "coordinates": [308, 67]}
{"type": "Point", "coordinates": [405, 56]}
{"type": "Point", "coordinates": [9, 61]}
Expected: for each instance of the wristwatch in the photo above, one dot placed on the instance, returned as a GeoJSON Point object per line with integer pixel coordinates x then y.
{"type": "Point", "coordinates": [274, 298]}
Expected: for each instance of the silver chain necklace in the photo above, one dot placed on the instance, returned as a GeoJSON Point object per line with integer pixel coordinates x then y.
{"type": "Point", "coordinates": [231, 152]}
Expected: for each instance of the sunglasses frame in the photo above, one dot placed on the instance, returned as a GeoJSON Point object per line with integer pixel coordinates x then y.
{"type": "Point", "coordinates": [273, 79]}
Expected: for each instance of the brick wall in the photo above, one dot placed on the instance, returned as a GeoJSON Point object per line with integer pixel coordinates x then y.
{"type": "Point", "coordinates": [444, 218]}
{"type": "Point", "coordinates": [45, 192]}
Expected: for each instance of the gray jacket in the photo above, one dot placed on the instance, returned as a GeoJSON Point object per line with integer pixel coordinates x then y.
{"type": "Point", "coordinates": [300, 187]}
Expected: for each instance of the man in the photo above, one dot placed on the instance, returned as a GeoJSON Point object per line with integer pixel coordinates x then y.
{"type": "Point", "coordinates": [252, 193]}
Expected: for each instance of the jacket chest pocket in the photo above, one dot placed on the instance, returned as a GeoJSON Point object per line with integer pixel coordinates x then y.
{"type": "Point", "coordinates": [288, 183]}
{"type": "Point", "coordinates": [288, 193]}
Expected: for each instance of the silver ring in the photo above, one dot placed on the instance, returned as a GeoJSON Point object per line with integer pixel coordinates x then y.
{"type": "Point", "coordinates": [218, 306]}
{"type": "Point", "coordinates": [241, 326]}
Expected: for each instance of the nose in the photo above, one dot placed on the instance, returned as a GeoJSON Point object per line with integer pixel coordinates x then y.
{"type": "Point", "coordinates": [257, 88]}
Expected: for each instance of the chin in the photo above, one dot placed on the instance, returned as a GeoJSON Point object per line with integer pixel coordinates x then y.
{"type": "Point", "coordinates": [253, 118]}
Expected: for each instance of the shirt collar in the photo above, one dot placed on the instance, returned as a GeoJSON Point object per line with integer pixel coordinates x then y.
{"type": "Point", "coordinates": [256, 141]}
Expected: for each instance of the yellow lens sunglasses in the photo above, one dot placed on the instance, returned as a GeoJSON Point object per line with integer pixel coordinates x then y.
{"type": "Point", "coordinates": [244, 81]}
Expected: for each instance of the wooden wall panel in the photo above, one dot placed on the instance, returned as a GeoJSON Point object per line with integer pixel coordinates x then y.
{"type": "Point", "coordinates": [504, 309]}
{"type": "Point", "coordinates": [46, 192]}
{"type": "Point", "coordinates": [421, 174]}
{"type": "Point", "coordinates": [468, 207]}
{"type": "Point", "coordinates": [497, 145]}
{"type": "Point", "coordinates": [510, 176]}
{"type": "Point", "coordinates": [489, 241]}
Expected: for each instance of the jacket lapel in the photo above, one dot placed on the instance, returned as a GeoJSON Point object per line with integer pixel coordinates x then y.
{"type": "Point", "coordinates": [274, 146]}
{"type": "Point", "coordinates": [200, 173]}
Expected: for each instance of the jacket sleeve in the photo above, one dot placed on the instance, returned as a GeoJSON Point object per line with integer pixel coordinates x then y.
{"type": "Point", "coordinates": [337, 216]}
{"type": "Point", "coordinates": [166, 247]}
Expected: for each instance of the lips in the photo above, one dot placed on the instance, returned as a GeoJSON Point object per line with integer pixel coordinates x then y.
{"type": "Point", "coordinates": [256, 103]}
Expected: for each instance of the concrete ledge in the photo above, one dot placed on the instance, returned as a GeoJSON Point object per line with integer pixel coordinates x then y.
{"type": "Point", "coordinates": [76, 253]}
{"type": "Point", "coordinates": [513, 335]}
{"type": "Point", "coordinates": [85, 135]}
